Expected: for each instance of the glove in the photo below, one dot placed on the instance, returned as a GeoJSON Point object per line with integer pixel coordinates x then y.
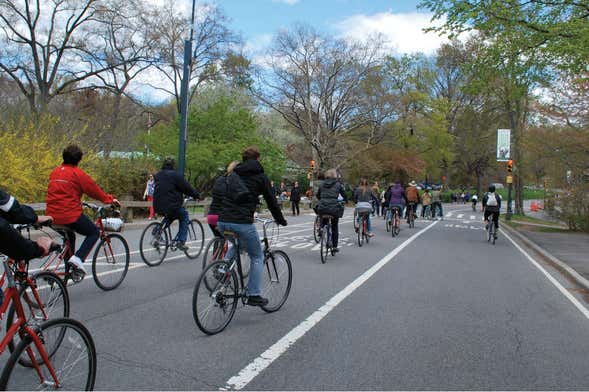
{"type": "Point", "coordinates": [282, 222]}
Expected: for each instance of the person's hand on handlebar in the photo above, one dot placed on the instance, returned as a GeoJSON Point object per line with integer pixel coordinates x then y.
{"type": "Point", "coordinates": [282, 222]}
{"type": "Point", "coordinates": [116, 203]}
{"type": "Point", "coordinates": [45, 243]}
{"type": "Point", "coordinates": [44, 219]}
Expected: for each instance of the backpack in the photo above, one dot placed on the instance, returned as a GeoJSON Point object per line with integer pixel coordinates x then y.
{"type": "Point", "coordinates": [236, 189]}
{"type": "Point", "coordinates": [492, 200]}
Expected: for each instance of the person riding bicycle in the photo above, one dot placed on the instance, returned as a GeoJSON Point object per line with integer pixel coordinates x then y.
{"type": "Point", "coordinates": [363, 197]}
{"type": "Point", "coordinates": [395, 199]}
{"type": "Point", "coordinates": [244, 185]}
{"type": "Point", "coordinates": [12, 243]}
{"type": "Point", "coordinates": [219, 192]}
{"type": "Point", "coordinates": [168, 198]}
{"type": "Point", "coordinates": [474, 200]}
{"type": "Point", "coordinates": [67, 184]}
{"type": "Point", "coordinates": [437, 202]}
{"type": "Point", "coordinates": [331, 196]}
{"type": "Point", "coordinates": [426, 201]}
{"type": "Point", "coordinates": [492, 206]}
{"type": "Point", "coordinates": [412, 195]}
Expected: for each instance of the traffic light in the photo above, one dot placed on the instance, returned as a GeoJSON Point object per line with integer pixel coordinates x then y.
{"type": "Point", "coordinates": [510, 166]}
{"type": "Point", "coordinates": [312, 164]}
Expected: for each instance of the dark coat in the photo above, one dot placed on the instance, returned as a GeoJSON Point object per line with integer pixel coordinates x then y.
{"type": "Point", "coordinates": [327, 194]}
{"type": "Point", "coordinates": [252, 175]}
{"type": "Point", "coordinates": [219, 192]}
{"type": "Point", "coordinates": [12, 244]}
{"type": "Point", "coordinates": [295, 194]}
{"type": "Point", "coordinates": [170, 188]}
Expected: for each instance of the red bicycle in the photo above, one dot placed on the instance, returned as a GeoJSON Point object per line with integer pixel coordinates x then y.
{"type": "Point", "coordinates": [110, 262]}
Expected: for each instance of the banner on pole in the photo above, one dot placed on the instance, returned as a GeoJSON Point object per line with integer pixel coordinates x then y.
{"type": "Point", "coordinates": [503, 145]}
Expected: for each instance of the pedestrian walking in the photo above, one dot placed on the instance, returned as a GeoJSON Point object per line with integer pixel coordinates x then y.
{"type": "Point", "coordinates": [148, 195]}
{"type": "Point", "coordinates": [295, 198]}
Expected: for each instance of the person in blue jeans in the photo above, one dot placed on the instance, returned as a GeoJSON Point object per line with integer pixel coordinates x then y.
{"type": "Point", "coordinates": [237, 215]}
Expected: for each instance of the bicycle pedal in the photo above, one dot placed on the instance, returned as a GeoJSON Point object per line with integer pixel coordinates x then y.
{"type": "Point", "coordinates": [77, 276]}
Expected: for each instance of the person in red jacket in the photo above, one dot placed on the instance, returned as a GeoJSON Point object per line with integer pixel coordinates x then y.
{"type": "Point", "coordinates": [67, 184]}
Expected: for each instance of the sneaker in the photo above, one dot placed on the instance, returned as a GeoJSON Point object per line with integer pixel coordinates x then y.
{"type": "Point", "coordinates": [370, 234]}
{"type": "Point", "coordinates": [78, 265]}
{"type": "Point", "coordinates": [181, 246]}
{"type": "Point", "coordinates": [335, 250]}
{"type": "Point", "coordinates": [256, 300]}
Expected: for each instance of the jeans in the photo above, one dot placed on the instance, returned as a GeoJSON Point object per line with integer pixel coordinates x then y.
{"type": "Point", "coordinates": [435, 205]}
{"type": "Point", "coordinates": [182, 215]}
{"type": "Point", "coordinates": [368, 224]}
{"type": "Point", "coordinates": [85, 227]}
{"type": "Point", "coordinates": [376, 209]}
{"type": "Point", "coordinates": [248, 238]}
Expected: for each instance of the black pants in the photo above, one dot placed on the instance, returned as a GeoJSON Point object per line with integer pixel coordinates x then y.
{"type": "Point", "coordinates": [295, 205]}
{"type": "Point", "coordinates": [334, 230]}
{"type": "Point", "coordinates": [88, 229]}
{"type": "Point", "coordinates": [495, 217]}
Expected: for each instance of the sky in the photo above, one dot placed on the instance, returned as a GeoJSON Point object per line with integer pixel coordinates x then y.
{"type": "Point", "coordinates": [399, 22]}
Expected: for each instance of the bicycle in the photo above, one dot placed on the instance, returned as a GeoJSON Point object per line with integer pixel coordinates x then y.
{"type": "Point", "coordinates": [396, 221]}
{"type": "Point", "coordinates": [317, 229]}
{"type": "Point", "coordinates": [111, 247]}
{"type": "Point", "coordinates": [361, 227]}
{"type": "Point", "coordinates": [491, 231]}
{"type": "Point", "coordinates": [47, 347]}
{"type": "Point", "coordinates": [388, 220]}
{"type": "Point", "coordinates": [156, 239]}
{"type": "Point", "coordinates": [427, 213]}
{"type": "Point", "coordinates": [326, 238]}
{"type": "Point", "coordinates": [411, 215]}
{"type": "Point", "coordinates": [222, 284]}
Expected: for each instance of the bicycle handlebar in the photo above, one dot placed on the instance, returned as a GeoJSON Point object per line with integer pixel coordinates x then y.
{"type": "Point", "coordinates": [36, 225]}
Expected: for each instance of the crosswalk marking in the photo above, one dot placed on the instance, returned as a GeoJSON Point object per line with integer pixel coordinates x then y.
{"type": "Point", "coordinates": [472, 217]}
{"type": "Point", "coordinates": [459, 216]}
{"type": "Point", "coordinates": [449, 214]}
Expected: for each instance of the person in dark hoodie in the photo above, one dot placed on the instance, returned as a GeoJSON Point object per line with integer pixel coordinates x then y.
{"type": "Point", "coordinates": [168, 198]}
{"type": "Point", "coordinates": [238, 216]}
{"type": "Point", "coordinates": [295, 198]}
{"type": "Point", "coordinates": [219, 192]}
{"type": "Point", "coordinates": [331, 194]}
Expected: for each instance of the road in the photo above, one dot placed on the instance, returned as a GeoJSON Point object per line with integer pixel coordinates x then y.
{"type": "Point", "coordinates": [435, 308]}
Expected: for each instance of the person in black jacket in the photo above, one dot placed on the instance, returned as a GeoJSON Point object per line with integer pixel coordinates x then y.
{"type": "Point", "coordinates": [219, 192]}
{"type": "Point", "coordinates": [238, 216]}
{"type": "Point", "coordinates": [295, 198]}
{"type": "Point", "coordinates": [331, 195]}
{"type": "Point", "coordinates": [168, 198]}
{"type": "Point", "coordinates": [12, 244]}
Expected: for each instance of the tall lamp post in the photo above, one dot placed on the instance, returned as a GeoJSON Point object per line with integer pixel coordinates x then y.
{"type": "Point", "coordinates": [184, 95]}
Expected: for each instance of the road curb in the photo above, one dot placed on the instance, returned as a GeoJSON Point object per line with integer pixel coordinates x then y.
{"type": "Point", "coordinates": [568, 270]}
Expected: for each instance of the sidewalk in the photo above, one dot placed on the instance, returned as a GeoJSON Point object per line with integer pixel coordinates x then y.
{"type": "Point", "coordinates": [568, 250]}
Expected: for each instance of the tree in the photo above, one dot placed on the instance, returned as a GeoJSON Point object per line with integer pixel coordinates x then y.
{"type": "Point", "coordinates": [314, 84]}
{"type": "Point", "coordinates": [49, 48]}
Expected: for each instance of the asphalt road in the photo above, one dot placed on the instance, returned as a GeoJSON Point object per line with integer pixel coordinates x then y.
{"type": "Point", "coordinates": [435, 308]}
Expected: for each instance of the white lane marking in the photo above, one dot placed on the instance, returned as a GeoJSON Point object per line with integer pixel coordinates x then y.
{"type": "Point", "coordinates": [472, 217]}
{"type": "Point", "coordinates": [248, 373]}
{"type": "Point", "coordinates": [552, 280]}
{"type": "Point", "coordinates": [449, 214]}
{"type": "Point", "coordinates": [459, 216]}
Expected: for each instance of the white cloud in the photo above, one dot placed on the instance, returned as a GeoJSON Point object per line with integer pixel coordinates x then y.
{"type": "Point", "coordinates": [402, 32]}
{"type": "Point", "coordinates": [289, 2]}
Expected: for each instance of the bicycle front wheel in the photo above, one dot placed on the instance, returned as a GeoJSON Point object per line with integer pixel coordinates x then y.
{"type": "Point", "coordinates": [110, 262]}
{"type": "Point", "coordinates": [215, 298]}
{"type": "Point", "coordinates": [74, 359]}
{"type": "Point", "coordinates": [154, 244]}
{"type": "Point", "coordinates": [317, 229]}
{"type": "Point", "coordinates": [195, 240]}
{"type": "Point", "coordinates": [53, 302]}
{"type": "Point", "coordinates": [276, 280]}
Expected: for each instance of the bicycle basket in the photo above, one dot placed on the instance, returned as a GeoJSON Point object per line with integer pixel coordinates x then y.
{"type": "Point", "coordinates": [112, 224]}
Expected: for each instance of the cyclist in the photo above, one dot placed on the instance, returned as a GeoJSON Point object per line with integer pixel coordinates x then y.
{"type": "Point", "coordinates": [474, 200]}
{"type": "Point", "coordinates": [67, 184]}
{"type": "Point", "coordinates": [331, 196]}
{"type": "Point", "coordinates": [363, 197]}
{"type": "Point", "coordinates": [12, 244]}
{"type": "Point", "coordinates": [412, 195]}
{"type": "Point", "coordinates": [437, 202]}
{"type": "Point", "coordinates": [219, 192]}
{"type": "Point", "coordinates": [426, 200]}
{"type": "Point", "coordinates": [168, 198]}
{"type": "Point", "coordinates": [237, 215]}
{"type": "Point", "coordinates": [395, 198]}
{"type": "Point", "coordinates": [492, 206]}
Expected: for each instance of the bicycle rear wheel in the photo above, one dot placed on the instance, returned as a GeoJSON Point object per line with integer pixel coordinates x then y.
{"type": "Point", "coordinates": [214, 251]}
{"type": "Point", "coordinates": [317, 229]}
{"type": "Point", "coordinates": [112, 256]}
{"type": "Point", "coordinates": [276, 280]}
{"type": "Point", "coordinates": [74, 359]}
{"type": "Point", "coordinates": [325, 244]}
{"type": "Point", "coordinates": [154, 244]}
{"type": "Point", "coordinates": [215, 297]}
{"type": "Point", "coordinates": [195, 240]}
{"type": "Point", "coordinates": [54, 303]}
{"type": "Point", "coordinates": [360, 232]}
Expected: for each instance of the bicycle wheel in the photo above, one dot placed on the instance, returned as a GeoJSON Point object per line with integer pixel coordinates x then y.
{"type": "Point", "coordinates": [154, 244]}
{"type": "Point", "coordinates": [360, 232]}
{"type": "Point", "coordinates": [195, 240]}
{"type": "Point", "coordinates": [54, 302]}
{"type": "Point", "coordinates": [74, 359]}
{"type": "Point", "coordinates": [112, 256]}
{"type": "Point", "coordinates": [215, 298]}
{"type": "Point", "coordinates": [325, 244]}
{"type": "Point", "coordinates": [214, 251]}
{"type": "Point", "coordinates": [411, 218]}
{"type": "Point", "coordinates": [388, 224]}
{"type": "Point", "coordinates": [317, 229]}
{"type": "Point", "coordinates": [276, 280]}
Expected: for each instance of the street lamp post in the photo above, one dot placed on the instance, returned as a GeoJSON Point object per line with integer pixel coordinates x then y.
{"type": "Point", "coordinates": [184, 95]}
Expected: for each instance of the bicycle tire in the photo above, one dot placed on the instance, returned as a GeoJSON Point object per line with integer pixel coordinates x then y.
{"type": "Point", "coordinates": [359, 233]}
{"type": "Point", "coordinates": [324, 244]}
{"type": "Point", "coordinates": [317, 229]}
{"type": "Point", "coordinates": [213, 251]}
{"type": "Point", "coordinates": [109, 248]}
{"type": "Point", "coordinates": [274, 277]}
{"type": "Point", "coordinates": [224, 279]}
{"type": "Point", "coordinates": [62, 326]}
{"type": "Point", "coordinates": [57, 290]}
{"type": "Point", "coordinates": [154, 244]}
{"type": "Point", "coordinates": [388, 224]}
{"type": "Point", "coordinates": [195, 240]}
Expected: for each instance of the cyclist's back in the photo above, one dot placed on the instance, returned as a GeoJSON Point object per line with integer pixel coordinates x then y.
{"type": "Point", "coordinates": [492, 206]}
{"type": "Point", "coordinates": [170, 188]}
